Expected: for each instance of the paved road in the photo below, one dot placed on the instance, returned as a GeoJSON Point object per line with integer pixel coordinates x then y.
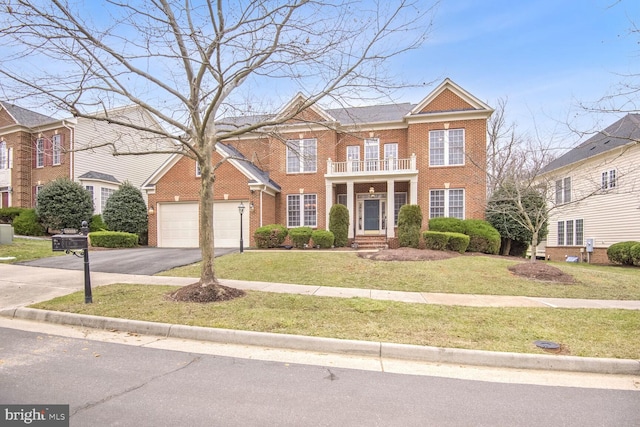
{"type": "Point", "coordinates": [115, 384]}
{"type": "Point", "coordinates": [146, 261]}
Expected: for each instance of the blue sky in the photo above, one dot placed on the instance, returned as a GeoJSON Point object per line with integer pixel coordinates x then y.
{"type": "Point", "coordinates": [545, 56]}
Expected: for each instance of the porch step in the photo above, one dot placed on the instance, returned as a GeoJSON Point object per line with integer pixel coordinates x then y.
{"type": "Point", "coordinates": [370, 242]}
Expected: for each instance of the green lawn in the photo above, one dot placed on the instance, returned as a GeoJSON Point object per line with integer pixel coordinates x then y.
{"type": "Point", "coordinates": [593, 333]}
{"type": "Point", "coordinates": [469, 274]}
{"type": "Point", "coordinates": [27, 249]}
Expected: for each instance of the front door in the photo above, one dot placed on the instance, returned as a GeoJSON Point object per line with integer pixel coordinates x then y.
{"type": "Point", "coordinates": [371, 215]}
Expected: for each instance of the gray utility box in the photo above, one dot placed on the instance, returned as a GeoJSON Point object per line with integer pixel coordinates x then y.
{"type": "Point", "coordinates": [68, 242]}
{"type": "Point", "coordinates": [6, 234]}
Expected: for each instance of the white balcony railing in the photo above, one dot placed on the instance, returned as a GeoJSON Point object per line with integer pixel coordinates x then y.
{"type": "Point", "coordinates": [368, 167]}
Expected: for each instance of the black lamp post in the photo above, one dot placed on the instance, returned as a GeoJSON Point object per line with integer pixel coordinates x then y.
{"type": "Point", "coordinates": [88, 298]}
{"type": "Point", "coordinates": [241, 210]}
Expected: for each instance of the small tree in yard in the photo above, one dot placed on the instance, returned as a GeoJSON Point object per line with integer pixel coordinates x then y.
{"type": "Point", "coordinates": [409, 224]}
{"type": "Point", "coordinates": [64, 204]}
{"type": "Point", "coordinates": [339, 224]}
{"type": "Point", "coordinates": [126, 211]}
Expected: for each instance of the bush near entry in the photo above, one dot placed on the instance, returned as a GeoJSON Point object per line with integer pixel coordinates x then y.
{"type": "Point", "coordinates": [458, 242]}
{"type": "Point", "coordinates": [339, 225]}
{"type": "Point", "coordinates": [409, 224]}
{"type": "Point", "coordinates": [435, 240]}
{"type": "Point", "coordinates": [270, 236]}
{"type": "Point", "coordinates": [483, 237]}
{"type": "Point", "coordinates": [300, 236]}
{"type": "Point", "coordinates": [113, 239]}
{"type": "Point", "coordinates": [322, 238]}
{"type": "Point", "coordinates": [622, 253]}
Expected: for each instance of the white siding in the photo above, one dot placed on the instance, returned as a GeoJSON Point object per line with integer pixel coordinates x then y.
{"type": "Point", "coordinates": [610, 216]}
{"type": "Point", "coordinates": [133, 168]}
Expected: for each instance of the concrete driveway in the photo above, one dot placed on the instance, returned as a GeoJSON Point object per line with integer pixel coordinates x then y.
{"type": "Point", "coordinates": [145, 261]}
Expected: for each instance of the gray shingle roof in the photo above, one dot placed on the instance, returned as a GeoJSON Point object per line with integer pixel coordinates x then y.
{"type": "Point", "coordinates": [623, 132]}
{"type": "Point", "coordinates": [99, 176]}
{"type": "Point", "coordinates": [26, 117]}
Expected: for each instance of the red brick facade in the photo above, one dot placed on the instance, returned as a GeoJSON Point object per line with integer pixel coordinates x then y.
{"type": "Point", "coordinates": [449, 107]}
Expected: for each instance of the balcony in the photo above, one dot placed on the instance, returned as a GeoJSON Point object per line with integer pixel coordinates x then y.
{"type": "Point", "coordinates": [388, 166]}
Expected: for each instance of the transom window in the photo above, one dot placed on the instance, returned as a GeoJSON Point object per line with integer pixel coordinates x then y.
{"type": "Point", "coordinates": [446, 147]}
{"type": "Point", "coordinates": [302, 210]}
{"type": "Point", "coordinates": [302, 156]}
{"type": "Point", "coordinates": [446, 203]}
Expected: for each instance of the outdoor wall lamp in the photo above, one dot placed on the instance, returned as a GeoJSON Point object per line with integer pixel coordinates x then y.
{"type": "Point", "coordinates": [371, 191]}
{"type": "Point", "coordinates": [251, 207]}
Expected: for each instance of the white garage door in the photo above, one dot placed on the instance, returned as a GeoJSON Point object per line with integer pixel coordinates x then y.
{"type": "Point", "coordinates": [178, 225]}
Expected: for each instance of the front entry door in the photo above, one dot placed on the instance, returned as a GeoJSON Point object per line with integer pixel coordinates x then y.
{"type": "Point", "coordinates": [371, 215]}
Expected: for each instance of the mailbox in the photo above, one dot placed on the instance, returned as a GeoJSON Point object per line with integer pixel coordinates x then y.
{"type": "Point", "coordinates": [69, 242]}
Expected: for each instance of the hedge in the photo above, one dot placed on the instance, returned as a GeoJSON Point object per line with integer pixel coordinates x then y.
{"type": "Point", "coordinates": [300, 236]}
{"type": "Point", "coordinates": [483, 236]}
{"type": "Point", "coordinates": [635, 254]}
{"type": "Point", "coordinates": [7, 215]}
{"type": "Point", "coordinates": [620, 253]}
{"type": "Point", "coordinates": [28, 224]}
{"type": "Point", "coordinates": [447, 225]}
{"type": "Point", "coordinates": [458, 242]}
{"type": "Point", "coordinates": [270, 236]}
{"type": "Point", "coordinates": [113, 239]}
{"type": "Point", "coordinates": [435, 240]}
{"type": "Point", "coordinates": [323, 238]}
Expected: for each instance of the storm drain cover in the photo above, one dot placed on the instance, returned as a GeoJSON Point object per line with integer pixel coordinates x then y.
{"type": "Point", "coordinates": [547, 344]}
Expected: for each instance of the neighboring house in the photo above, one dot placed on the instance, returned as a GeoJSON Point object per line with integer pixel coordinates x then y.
{"type": "Point", "coordinates": [36, 149]}
{"type": "Point", "coordinates": [371, 159]}
{"type": "Point", "coordinates": [596, 193]}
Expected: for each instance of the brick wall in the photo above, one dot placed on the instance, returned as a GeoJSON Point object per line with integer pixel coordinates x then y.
{"type": "Point", "coordinates": [559, 253]}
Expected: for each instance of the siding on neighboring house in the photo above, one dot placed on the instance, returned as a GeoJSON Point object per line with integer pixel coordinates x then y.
{"type": "Point", "coordinates": [608, 213]}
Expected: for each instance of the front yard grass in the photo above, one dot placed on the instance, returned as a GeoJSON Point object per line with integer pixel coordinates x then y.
{"type": "Point", "coordinates": [27, 249]}
{"type": "Point", "coordinates": [468, 274]}
{"type": "Point", "coordinates": [590, 333]}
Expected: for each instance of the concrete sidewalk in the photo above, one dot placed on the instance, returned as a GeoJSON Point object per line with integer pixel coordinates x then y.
{"type": "Point", "coordinates": [21, 286]}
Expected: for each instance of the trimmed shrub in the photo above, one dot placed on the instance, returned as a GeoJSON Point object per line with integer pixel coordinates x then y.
{"type": "Point", "coordinates": [27, 224]}
{"type": "Point", "coordinates": [323, 238]}
{"type": "Point", "coordinates": [458, 242]}
{"type": "Point", "coordinates": [435, 240]}
{"type": "Point", "coordinates": [339, 224]}
{"type": "Point", "coordinates": [482, 236]}
{"type": "Point", "coordinates": [113, 239]}
{"type": "Point", "coordinates": [126, 211]}
{"type": "Point", "coordinates": [409, 224]}
{"type": "Point", "coordinates": [300, 236]}
{"type": "Point", "coordinates": [7, 215]}
{"type": "Point", "coordinates": [447, 225]}
{"type": "Point", "coordinates": [635, 254]}
{"type": "Point", "coordinates": [64, 204]}
{"type": "Point", "coordinates": [97, 224]}
{"type": "Point", "coordinates": [620, 253]}
{"type": "Point", "coordinates": [270, 236]}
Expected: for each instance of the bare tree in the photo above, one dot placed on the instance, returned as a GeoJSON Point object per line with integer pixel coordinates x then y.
{"type": "Point", "coordinates": [503, 145]}
{"type": "Point", "coordinates": [191, 63]}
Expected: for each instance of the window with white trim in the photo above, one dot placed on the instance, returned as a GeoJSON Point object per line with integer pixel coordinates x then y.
{"type": "Point", "coordinates": [40, 152]}
{"type": "Point", "coordinates": [302, 210]}
{"type": "Point", "coordinates": [391, 156]}
{"type": "Point", "coordinates": [89, 188]}
{"type": "Point", "coordinates": [571, 232]}
{"type": "Point", "coordinates": [371, 154]}
{"type": "Point", "coordinates": [342, 199]}
{"type": "Point", "coordinates": [446, 203]}
{"type": "Point", "coordinates": [563, 190]}
{"type": "Point", "coordinates": [105, 193]}
{"type": "Point", "coordinates": [609, 179]}
{"type": "Point", "coordinates": [302, 155]}
{"type": "Point", "coordinates": [446, 147]}
{"type": "Point", "coordinates": [399, 200]}
{"type": "Point", "coordinates": [4, 155]}
{"type": "Point", "coordinates": [56, 146]}
{"type": "Point", "coordinates": [353, 157]}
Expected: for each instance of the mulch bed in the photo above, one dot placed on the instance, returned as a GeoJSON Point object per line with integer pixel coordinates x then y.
{"type": "Point", "coordinates": [211, 293]}
{"type": "Point", "coordinates": [408, 254]}
{"type": "Point", "coordinates": [541, 271]}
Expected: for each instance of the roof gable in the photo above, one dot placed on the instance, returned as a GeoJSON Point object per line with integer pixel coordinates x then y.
{"type": "Point", "coordinates": [447, 97]}
{"type": "Point", "coordinates": [21, 116]}
{"type": "Point", "coordinates": [312, 113]}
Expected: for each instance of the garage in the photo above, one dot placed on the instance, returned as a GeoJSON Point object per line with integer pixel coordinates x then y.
{"type": "Point", "coordinates": [178, 225]}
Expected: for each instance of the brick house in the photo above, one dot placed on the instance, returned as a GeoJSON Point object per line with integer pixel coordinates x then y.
{"type": "Point", "coordinates": [36, 149]}
{"type": "Point", "coordinates": [371, 159]}
{"type": "Point", "coordinates": [595, 190]}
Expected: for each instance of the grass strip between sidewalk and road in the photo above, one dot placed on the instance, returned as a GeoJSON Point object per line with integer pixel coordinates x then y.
{"type": "Point", "coordinates": [581, 332]}
{"type": "Point", "coordinates": [468, 274]}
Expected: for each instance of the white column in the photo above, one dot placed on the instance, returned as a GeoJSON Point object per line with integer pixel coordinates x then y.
{"type": "Point", "coordinates": [413, 191]}
{"type": "Point", "coordinates": [351, 207]}
{"type": "Point", "coordinates": [328, 198]}
{"type": "Point", "coordinates": [390, 207]}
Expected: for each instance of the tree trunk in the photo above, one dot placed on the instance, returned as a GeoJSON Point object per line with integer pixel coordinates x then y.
{"type": "Point", "coordinates": [206, 231]}
{"type": "Point", "coordinates": [506, 247]}
{"type": "Point", "coordinates": [534, 246]}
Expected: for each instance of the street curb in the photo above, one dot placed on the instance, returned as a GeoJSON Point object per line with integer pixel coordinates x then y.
{"type": "Point", "coordinates": [332, 345]}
